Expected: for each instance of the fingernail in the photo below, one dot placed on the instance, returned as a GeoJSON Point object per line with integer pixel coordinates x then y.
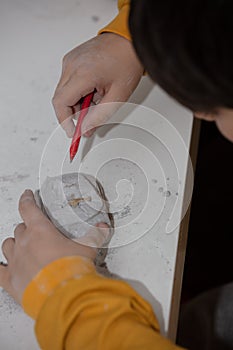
{"type": "Point", "coordinates": [27, 194]}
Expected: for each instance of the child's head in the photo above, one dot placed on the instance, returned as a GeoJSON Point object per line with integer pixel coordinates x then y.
{"type": "Point", "coordinates": [187, 48]}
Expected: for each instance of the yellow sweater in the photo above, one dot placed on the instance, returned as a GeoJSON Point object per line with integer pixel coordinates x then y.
{"type": "Point", "coordinates": [76, 308]}
{"type": "Point", "coordinates": [120, 23]}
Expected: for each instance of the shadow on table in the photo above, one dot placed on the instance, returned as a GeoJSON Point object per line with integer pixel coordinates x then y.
{"type": "Point", "coordinates": [141, 289]}
{"type": "Point", "coordinates": [137, 98]}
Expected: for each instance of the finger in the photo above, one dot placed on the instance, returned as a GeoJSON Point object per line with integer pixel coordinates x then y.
{"type": "Point", "coordinates": [69, 126]}
{"type": "Point", "coordinates": [19, 230]}
{"type": "Point", "coordinates": [90, 132]}
{"type": "Point", "coordinates": [102, 112]}
{"type": "Point", "coordinates": [8, 247]}
{"type": "Point", "coordinates": [103, 229]}
{"type": "Point", "coordinates": [4, 277]}
{"type": "Point", "coordinates": [96, 236]}
{"type": "Point", "coordinates": [29, 211]}
{"type": "Point", "coordinates": [5, 282]}
{"type": "Point", "coordinates": [69, 95]}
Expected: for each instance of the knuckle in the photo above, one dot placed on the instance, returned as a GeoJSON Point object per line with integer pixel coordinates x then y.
{"type": "Point", "coordinates": [6, 243]}
{"type": "Point", "coordinates": [65, 58]}
{"type": "Point", "coordinates": [57, 99]}
{"type": "Point", "coordinates": [18, 228]}
{"type": "Point", "coordinates": [54, 99]}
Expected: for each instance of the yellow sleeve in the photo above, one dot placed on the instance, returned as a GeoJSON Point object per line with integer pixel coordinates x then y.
{"type": "Point", "coordinates": [76, 308]}
{"type": "Point", "coordinates": [120, 23]}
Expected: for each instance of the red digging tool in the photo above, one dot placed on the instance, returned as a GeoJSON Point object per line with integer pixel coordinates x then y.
{"type": "Point", "coordinates": [77, 135]}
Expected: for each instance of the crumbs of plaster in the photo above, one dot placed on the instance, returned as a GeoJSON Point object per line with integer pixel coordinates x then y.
{"type": "Point", "coordinates": [13, 178]}
{"type": "Point", "coordinates": [166, 194]}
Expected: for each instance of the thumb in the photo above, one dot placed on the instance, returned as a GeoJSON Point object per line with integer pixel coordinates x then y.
{"type": "Point", "coordinates": [102, 112]}
{"type": "Point", "coordinates": [29, 211]}
{"type": "Point", "coordinates": [97, 236]}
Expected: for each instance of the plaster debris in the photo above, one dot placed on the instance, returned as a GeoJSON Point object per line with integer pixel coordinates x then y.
{"type": "Point", "coordinates": [166, 193]}
{"type": "Point", "coordinates": [13, 178]}
{"type": "Point", "coordinates": [95, 18]}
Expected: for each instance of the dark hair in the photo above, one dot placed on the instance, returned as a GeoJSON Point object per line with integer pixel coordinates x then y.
{"type": "Point", "coordinates": [186, 46]}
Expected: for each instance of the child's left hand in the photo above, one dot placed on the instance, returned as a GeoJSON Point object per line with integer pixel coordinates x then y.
{"type": "Point", "coordinates": [37, 243]}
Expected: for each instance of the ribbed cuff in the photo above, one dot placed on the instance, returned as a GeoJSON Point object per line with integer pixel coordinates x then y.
{"type": "Point", "coordinates": [48, 279]}
{"type": "Point", "coordinates": [119, 24]}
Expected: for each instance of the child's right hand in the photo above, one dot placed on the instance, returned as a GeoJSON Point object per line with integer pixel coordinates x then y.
{"type": "Point", "coordinates": [107, 63]}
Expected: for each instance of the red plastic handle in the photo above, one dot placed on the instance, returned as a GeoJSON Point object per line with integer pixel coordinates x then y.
{"type": "Point", "coordinates": [77, 135]}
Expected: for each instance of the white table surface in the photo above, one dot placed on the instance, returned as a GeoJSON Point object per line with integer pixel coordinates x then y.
{"type": "Point", "coordinates": [34, 37]}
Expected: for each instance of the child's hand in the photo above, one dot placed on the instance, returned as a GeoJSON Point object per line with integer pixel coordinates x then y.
{"type": "Point", "coordinates": [106, 63]}
{"type": "Point", "coordinates": [36, 243]}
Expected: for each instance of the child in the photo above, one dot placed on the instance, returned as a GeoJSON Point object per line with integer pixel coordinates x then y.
{"type": "Point", "coordinates": [186, 48]}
